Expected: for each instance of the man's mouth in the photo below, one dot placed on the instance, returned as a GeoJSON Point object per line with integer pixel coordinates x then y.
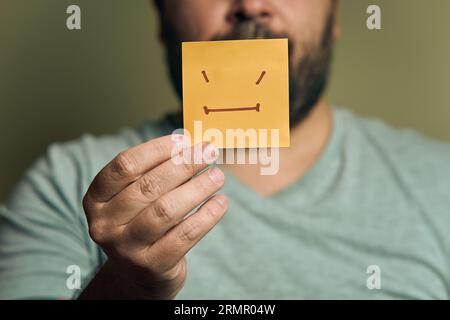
{"type": "Point", "coordinates": [207, 110]}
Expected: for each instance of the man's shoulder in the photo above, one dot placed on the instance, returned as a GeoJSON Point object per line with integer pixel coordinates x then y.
{"type": "Point", "coordinates": [403, 142]}
{"type": "Point", "coordinates": [403, 170]}
{"type": "Point", "coordinates": [67, 168]}
{"type": "Point", "coordinates": [419, 161]}
{"type": "Point", "coordinates": [95, 151]}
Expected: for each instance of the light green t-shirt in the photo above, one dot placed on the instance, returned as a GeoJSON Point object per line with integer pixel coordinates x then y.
{"type": "Point", "coordinates": [377, 201]}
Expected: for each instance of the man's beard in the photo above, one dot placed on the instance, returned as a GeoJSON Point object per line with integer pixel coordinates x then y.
{"type": "Point", "coordinates": [308, 76]}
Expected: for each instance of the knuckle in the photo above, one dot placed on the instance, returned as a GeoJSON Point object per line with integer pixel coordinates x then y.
{"type": "Point", "coordinates": [189, 232]}
{"type": "Point", "coordinates": [97, 231]}
{"type": "Point", "coordinates": [123, 165]}
{"type": "Point", "coordinates": [86, 203]}
{"type": "Point", "coordinates": [150, 186]}
{"type": "Point", "coordinates": [164, 210]}
{"type": "Point", "coordinates": [91, 208]}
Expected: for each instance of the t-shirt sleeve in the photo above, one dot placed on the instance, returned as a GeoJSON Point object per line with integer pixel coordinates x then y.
{"type": "Point", "coordinates": [43, 231]}
{"type": "Point", "coordinates": [44, 238]}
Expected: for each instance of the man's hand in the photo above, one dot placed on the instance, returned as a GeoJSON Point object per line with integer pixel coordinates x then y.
{"type": "Point", "coordinates": [136, 208]}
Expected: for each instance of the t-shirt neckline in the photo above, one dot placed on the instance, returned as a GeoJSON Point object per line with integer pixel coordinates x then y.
{"type": "Point", "coordinates": [310, 186]}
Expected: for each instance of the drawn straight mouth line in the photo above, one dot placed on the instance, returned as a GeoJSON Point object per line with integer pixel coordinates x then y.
{"type": "Point", "coordinates": [207, 110]}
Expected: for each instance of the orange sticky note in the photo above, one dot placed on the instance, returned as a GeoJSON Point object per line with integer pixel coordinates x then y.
{"type": "Point", "coordinates": [236, 93]}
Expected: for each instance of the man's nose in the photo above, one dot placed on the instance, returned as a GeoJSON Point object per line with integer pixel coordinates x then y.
{"type": "Point", "coordinates": [251, 9]}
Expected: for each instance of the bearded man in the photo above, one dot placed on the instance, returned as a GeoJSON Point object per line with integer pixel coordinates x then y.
{"type": "Point", "coordinates": [352, 195]}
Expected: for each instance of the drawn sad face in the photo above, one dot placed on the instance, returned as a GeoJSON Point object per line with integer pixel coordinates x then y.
{"type": "Point", "coordinates": [240, 84]}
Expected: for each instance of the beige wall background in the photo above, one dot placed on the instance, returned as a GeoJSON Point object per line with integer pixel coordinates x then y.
{"type": "Point", "coordinates": [56, 84]}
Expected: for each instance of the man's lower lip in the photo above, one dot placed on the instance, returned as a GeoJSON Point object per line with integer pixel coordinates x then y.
{"type": "Point", "coordinates": [208, 110]}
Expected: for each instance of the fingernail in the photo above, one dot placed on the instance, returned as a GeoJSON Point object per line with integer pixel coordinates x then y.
{"type": "Point", "coordinates": [182, 141]}
{"type": "Point", "coordinates": [216, 175]}
{"type": "Point", "coordinates": [221, 199]}
{"type": "Point", "coordinates": [210, 153]}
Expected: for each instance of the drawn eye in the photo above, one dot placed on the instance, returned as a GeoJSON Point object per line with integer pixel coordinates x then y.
{"type": "Point", "coordinates": [205, 76]}
{"type": "Point", "coordinates": [261, 77]}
